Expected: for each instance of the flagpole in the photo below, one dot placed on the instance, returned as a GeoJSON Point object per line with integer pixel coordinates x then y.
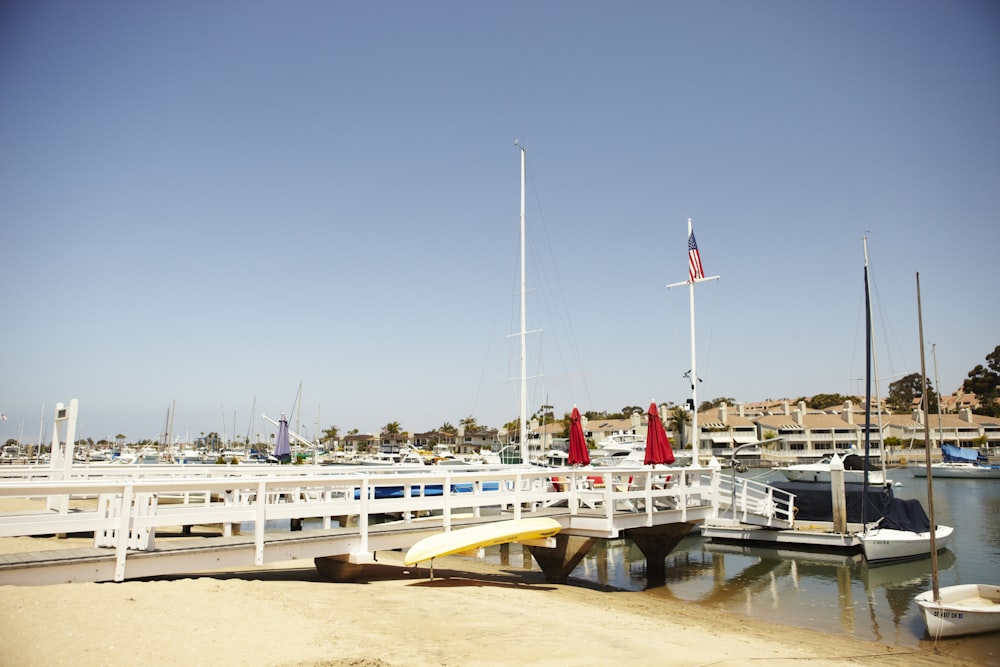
{"type": "Point", "coordinates": [522, 412]}
{"type": "Point", "coordinates": [695, 275]}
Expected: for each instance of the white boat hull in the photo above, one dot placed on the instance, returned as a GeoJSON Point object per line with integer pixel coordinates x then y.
{"type": "Point", "coordinates": [820, 473]}
{"type": "Point", "coordinates": [959, 471]}
{"type": "Point", "coordinates": [965, 609]}
{"type": "Point", "coordinates": [883, 545]}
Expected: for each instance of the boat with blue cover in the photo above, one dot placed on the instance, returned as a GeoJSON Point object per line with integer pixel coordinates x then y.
{"type": "Point", "coordinates": [961, 462]}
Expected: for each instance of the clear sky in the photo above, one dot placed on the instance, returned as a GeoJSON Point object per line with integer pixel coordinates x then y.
{"type": "Point", "coordinates": [213, 203]}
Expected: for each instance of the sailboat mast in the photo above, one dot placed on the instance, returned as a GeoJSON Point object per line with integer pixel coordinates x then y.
{"type": "Point", "coordinates": [874, 365]}
{"type": "Point", "coordinates": [170, 424]}
{"type": "Point", "coordinates": [937, 383]}
{"type": "Point", "coordinates": [522, 415]}
{"type": "Point", "coordinates": [868, 394]}
{"type": "Point", "coordinates": [927, 451]}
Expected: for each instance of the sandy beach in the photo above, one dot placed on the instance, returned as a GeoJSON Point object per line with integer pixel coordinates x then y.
{"type": "Point", "coordinates": [470, 614]}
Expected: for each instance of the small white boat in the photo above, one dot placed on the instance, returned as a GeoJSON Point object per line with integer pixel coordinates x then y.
{"type": "Point", "coordinates": [403, 458]}
{"type": "Point", "coordinates": [620, 444]}
{"type": "Point", "coordinates": [959, 470]}
{"type": "Point", "coordinates": [884, 545]}
{"type": "Point", "coordinates": [819, 471]}
{"type": "Point", "coordinates": [960, 462]}
{"type": "Point", "coordinates": [965, 609]}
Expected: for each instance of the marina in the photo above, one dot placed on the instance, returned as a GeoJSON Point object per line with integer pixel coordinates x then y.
{"type": "Point", "coordinates": [790, 586]}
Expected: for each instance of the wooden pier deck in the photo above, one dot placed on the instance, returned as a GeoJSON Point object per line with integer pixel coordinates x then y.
{"type": "Point", "coordinates": [134, 520]}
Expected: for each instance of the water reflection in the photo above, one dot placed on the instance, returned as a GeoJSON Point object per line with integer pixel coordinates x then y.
{"type": "Point", "coordinates": [784, 586]}
{"type": "Point", "coordinates": [834, 593]}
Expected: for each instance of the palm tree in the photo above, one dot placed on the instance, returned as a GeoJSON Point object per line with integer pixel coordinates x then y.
{"type": "Point", "coordinates": [447, 427]}
{"type": "Point", "coordinates": [330, 435]}
{"type": "Point", "coordinates": [677, 420]}
{"type": "Point", "coordinates": [469, 424]}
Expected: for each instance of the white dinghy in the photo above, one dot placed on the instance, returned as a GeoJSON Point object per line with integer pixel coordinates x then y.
{"type": "Point", "coordinates": [965, 609]}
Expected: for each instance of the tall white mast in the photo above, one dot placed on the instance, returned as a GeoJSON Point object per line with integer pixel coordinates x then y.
{"type": "Point", "coordinates": [522, 426]}
{"type": "Point", "coordinates": [693, 278]}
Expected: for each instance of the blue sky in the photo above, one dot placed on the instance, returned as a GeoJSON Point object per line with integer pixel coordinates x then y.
{"type": "Point", "coordinates": [213, 203]}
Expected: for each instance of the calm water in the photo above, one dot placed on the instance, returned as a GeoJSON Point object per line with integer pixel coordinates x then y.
{"type": "Point", "coordinates": [834, 593]}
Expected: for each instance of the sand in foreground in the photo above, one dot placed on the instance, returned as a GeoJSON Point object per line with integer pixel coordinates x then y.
{"type": "Point", "coordinates": [471, 614]}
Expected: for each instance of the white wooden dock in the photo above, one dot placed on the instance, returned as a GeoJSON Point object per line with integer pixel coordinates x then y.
{"type": "Point", "coordinates": [135, 515]}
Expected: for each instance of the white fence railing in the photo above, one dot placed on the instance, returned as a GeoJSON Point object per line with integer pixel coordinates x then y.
{"type": "Point", "coordinates": [754, 502]}
{"type": "Point", "coordinates": [124, 506]}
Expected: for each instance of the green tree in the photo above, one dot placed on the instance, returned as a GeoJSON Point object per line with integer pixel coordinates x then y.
{"type": "Point", "coordinates": [892, 442]}
{"type": "Point", "coordinates": [469, 424]}
{"type": "Point", "coordinates": [716, 402]}
{"type": "Point", "coordinates": [448, 428]}
{"type": "Point", "coordinates": [906, 389]}
{"type": "Point", "coordinates": [330, 435]}
{"type": "Point", "coordinates": [392, 429]}
{"type": "Point", "coordinates": [822, 401]}
{"type": "Point", "coordinates": [546, 413]}
{"type": "Point", "coordinates": [678, 418]}
{"type": "Point", "coordinates": [984, 382]}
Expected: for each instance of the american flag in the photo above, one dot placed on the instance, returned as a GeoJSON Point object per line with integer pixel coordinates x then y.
{"type": "Point", "coordinates": [695, 270]}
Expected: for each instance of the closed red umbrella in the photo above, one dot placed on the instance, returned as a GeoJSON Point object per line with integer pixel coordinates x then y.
{"type": "Point", "coordinates": [658, 449]}
{"type": "Point", "coordinates": [578, 454]}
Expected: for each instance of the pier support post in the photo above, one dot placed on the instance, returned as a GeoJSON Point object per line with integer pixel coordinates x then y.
{"type": "Point", "coordinates": [839, 494]}
{"type": "Point", "coordinates": [338, 568]}
{"type": "Point", "coordinates": [655, 542]}
{"type": "Point", "coordinates": [557, 563]}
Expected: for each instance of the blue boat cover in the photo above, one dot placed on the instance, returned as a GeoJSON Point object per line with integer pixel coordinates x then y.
{"type": "Point", "coordinates": [908, 515]}
{"type": "Point", "coordinates": [953, 454]}
{"type": "Point", "coordinates": [814, 500]}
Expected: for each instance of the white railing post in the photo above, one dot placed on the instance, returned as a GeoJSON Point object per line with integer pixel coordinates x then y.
{"type": "Point", "coordinates": [517, 495]}
{"type": "Point", "coordinates": [122, 535]}
{"type": "Point", "coordinates": [363, 516]}
{"type": "Point", "coordinates": [327, 498]}
{"type": "Point", "coordinates": [260, 521]}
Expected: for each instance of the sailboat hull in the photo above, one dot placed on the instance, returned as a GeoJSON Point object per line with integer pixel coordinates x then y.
{"type": "Point", "coordinates": [885, 545]}
{"type": "Point", "coordinates": [960, 471]}
{"type": "Point", "coordinates": [966, 609]}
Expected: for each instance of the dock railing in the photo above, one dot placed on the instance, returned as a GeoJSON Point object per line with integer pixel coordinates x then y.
{"type": "Point", "coordinates": [125, 506]}
{"type": "Point", "coordinates": [752, 502]}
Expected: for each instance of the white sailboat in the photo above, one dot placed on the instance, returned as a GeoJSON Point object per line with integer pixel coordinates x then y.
{"type": "Point", "coordinates": [954, 610]}
{"type": "Point", "coordinates": [961, 463]}
{"type": "Point", "coordinates": [903, 532]}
